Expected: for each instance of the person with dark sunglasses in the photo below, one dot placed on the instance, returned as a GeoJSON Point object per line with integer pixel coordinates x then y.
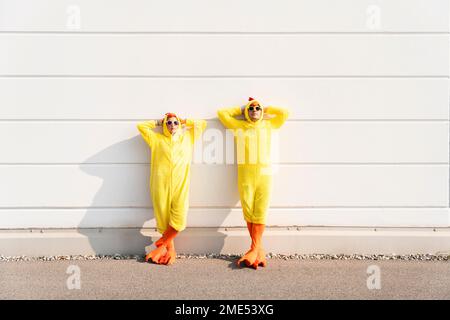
{"type": "Point", "coordinates": [253, 144]}
{"type": "Point", "coordinates": [169, 179]}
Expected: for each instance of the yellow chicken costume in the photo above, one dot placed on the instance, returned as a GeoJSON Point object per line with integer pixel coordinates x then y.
{"type": "Point", "coordinates": [253, 141]}
{"type": "Point", "coordinates": [171, 156]}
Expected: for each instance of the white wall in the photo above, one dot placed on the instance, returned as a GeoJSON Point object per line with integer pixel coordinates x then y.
{"type": "Point", "coordinates": [367, 144]}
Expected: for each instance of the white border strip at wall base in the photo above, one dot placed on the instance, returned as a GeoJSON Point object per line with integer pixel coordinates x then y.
{"type": "Point", "coordinates": [227, 240]}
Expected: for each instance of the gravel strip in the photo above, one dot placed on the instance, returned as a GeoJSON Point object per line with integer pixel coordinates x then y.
{"type": "Point", "coordinates": [408, 257]}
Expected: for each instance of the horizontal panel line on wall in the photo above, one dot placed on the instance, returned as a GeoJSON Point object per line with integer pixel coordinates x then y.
{"type": "Point", "coordinates": [284, 164]}
{"type": "Point", "coordinates": [240, 228]}
{"type": "Point", "coordinates": [223, 207]}
{"type": "Point", "coordinates": [300, 229]}
{"type": "Point", "coordinates": [225, 76]}
{"type": "Point", "coordinates": [215, 119]}
{"type": "Point", "coordinates": [119, 32]}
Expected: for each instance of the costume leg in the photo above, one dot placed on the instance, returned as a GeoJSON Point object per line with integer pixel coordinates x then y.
{"type": "Point", "coordinates": [177, 218]}
{"type": "Point", "coordinates": [262, 200]}
{"type": "Point", "coordinates": [246, 188]}
{"type": "Point", "coordinates": [161, 209]}
{"type": "Point", "coordinates": [256, 256]}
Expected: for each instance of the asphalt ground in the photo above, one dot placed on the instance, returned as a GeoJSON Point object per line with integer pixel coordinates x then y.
{"type": "Point", "coordinates": [220, 278]}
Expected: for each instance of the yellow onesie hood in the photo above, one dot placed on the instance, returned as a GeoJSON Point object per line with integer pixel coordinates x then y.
{"type": "Point", "coordinates": [249, 103]}
{"type": "Point", "coordinates": [167, 116]}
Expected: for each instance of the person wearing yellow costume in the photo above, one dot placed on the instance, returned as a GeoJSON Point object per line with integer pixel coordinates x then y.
{"type": "Point", "coordinates": [253, 141]}
{"type": "Point", "coordinates": [171, 155]}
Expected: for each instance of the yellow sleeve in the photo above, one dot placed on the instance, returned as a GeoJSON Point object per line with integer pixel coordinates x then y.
{"type": "Point", "coordinates": [146, 130]}
{"type": "Point", "coordinates": [281, 116]}
{"type": "Point", "coordinates": [196, 127]}
{"type": "Point", "coordinates": [227, 117]}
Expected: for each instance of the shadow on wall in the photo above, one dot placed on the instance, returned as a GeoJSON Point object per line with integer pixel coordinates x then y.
{"type": "Point", "coordinates": [113, 221]}
{"type": "Point", "coordinates": [120, 217]}
{"type": "Point", "coordinates": [206, 183]}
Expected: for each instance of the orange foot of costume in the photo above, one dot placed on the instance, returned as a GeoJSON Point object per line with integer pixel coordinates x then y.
{"type": "Point", "coordinates": [156, 255]}
{"type": "Point", "coordinates": [249, 258]}
{"type": "Point", "coordinates": [255, 256]}
{"type": "Point", "coordinates": [260, 259]}
{"type": "Point", "coordinates": [169, 258]}
{"type": "Point", "coordinates": [159, 242]}
{"type": "Point", "coordinates": [165, 249]}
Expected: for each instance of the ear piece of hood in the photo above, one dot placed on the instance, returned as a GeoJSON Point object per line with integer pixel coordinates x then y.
{"type": "Point", "coordinates": [249, 103]}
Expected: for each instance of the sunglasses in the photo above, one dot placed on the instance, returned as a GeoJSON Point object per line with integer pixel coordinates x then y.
{"type": "Point", "coordinates": [254, 108]}
{"type": "Point", "coordinates": [174, 122]}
